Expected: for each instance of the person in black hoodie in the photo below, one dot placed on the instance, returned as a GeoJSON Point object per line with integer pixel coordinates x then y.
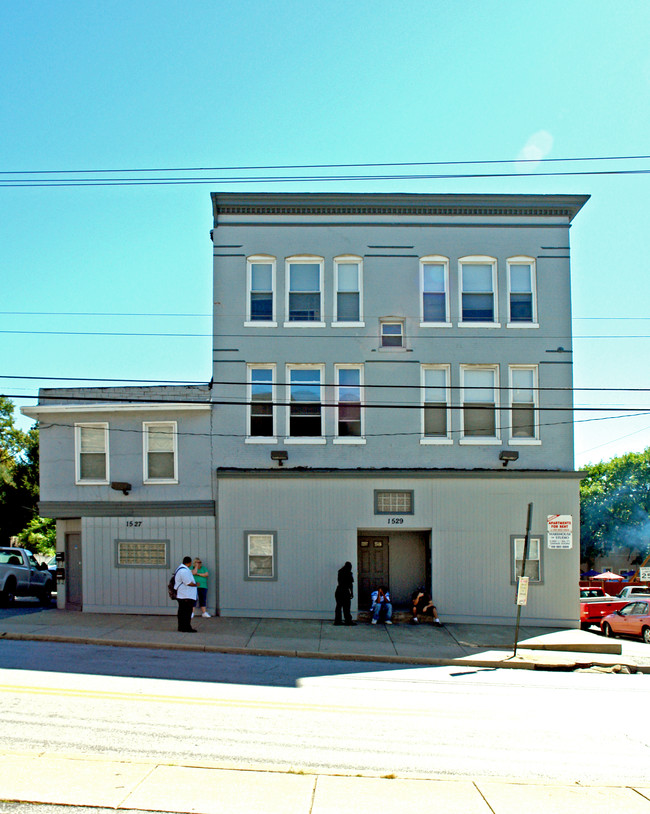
{"type": "Point", "coordinates": [343, 594]}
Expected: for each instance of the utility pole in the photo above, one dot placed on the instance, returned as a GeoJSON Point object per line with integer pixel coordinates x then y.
{"type": "Point", "coordinates": [522, 579]}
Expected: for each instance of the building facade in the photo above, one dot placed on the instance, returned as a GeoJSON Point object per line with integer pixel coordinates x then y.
{"type": "Point", "coordinates": [391, 386]}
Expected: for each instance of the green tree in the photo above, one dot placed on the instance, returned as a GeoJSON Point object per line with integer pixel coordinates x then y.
{"type": "Point", "coordinates": [19, 484]}
{"type": "Point", "coordinates": [615, 506]}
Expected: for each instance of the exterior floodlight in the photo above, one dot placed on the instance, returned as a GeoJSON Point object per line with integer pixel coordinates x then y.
{"type": "Point", "coordinates": [280, 456]}
{"type": "Point", "coordinates": [507, 455]}
{"type": "Point", "coordinates": [121, 486]}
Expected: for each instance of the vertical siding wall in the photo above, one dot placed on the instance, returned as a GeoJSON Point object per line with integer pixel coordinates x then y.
{"type": "Point", "coordinates": [138, 589]}
{"type": "Point", "coordinates": [470, 519]}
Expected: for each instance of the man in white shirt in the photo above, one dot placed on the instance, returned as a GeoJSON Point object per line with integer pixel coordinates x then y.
{"type": "Point", "coordinates": [185, 595]}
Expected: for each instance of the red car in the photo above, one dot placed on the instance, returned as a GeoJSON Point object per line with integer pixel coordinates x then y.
{"type": "Point", "coordinates": [632, 619]}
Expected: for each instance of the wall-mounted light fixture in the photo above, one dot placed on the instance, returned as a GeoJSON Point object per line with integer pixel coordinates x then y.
{"type": "Point", "coordinates": [121, 486]}
{"type": "Point", "coordinates": [507, 455]}
{"type": "Point", "coordinates": [280, 455]}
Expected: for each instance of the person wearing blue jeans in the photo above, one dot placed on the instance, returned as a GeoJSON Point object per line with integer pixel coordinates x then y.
{"type": "Point", "coordinates": [381, 604]}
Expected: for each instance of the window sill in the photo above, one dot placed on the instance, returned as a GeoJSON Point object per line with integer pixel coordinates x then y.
{"type": "Point", "coordinates": [522, 325]}
{"type": "Point", "coordinates": [524, 442]}
{"type": "Point", "coordinates": [160, 482]}
{"type": "Point", "coordinates": [298, 324]}
{"type": "Point", "coordinates": [479, 324]}
{"type": "Point", "coordinates": [393, 349]}
{"type": "Point", "coordinates": [261, 439]}
{"type": "Point", "coordinates": [436, 441]}
{"type": "Point", "coordinates": [91, 483]}
{"type": "Point", "coordinates": [341, 324]}
{"type": "Point", "coordinates": [261, 323]}
{"type": "Point", "coordinates": [349, 441]}
{"type": "Point", "coordinates": [306, 440]}
{"type": "Point", "coordinates": [486, 442]}
{"type": "Point", "coordinates": [436, 325]}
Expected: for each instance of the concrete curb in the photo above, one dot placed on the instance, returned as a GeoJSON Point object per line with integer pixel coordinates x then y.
{"type": "Point", "coordinates": [468, 661]}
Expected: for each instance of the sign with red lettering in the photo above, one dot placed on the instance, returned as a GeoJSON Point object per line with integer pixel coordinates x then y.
{"type": "Point", "coordinates": [559, 530]}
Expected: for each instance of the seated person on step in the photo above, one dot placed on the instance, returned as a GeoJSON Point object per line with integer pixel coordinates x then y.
{"type": "Point", "coordinates": [422, 605]}
{"type": "Point", "coordinates": [380, 603]}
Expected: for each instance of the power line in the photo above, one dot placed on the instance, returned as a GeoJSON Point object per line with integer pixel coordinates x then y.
{"type": "Point", "coordinates": [334, 166]}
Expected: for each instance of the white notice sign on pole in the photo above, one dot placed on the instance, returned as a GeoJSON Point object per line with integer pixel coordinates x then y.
{"type": "Point", "coordinates": [559, 530]}
{"type": "Point", "coordinates": [522, 590]}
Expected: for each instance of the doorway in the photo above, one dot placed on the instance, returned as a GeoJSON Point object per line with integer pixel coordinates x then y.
{"type": "Point", "coordinates": [400, 560]}
{"type": "Point", "coordinates": [373, 563]}
{"type": "Point", "coordinates": [73, 575]}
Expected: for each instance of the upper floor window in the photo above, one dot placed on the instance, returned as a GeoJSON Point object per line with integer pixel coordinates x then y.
{"type": "Point", "coordinates": [160, 453]}
{"type": "Point", "coordinates": [304, 289]}
{"type": "Point", "coordinates": [478, 289]}
{"type": "Point", "coordinates": [261, 287]}
{"type": "Point", "coordinates": [434, 286]}
{"type": "Point", "coordinates": [305, 401]}
{"type": "Point", "coordinates": [261, 412]}
{"type": "Point", "coordinates": [391, 333]}
{"type": "Point", "coordinates": [349, 417]}
{"type": "Point", "coordinates": [522, 302]}
{"type": "Point", "coordinates": [523, 400]}
{"type": "Point", "coordinates": [436, 403]}
{"type": "Point", "coordinates": [347, 286]}
{"type": "Point", "coordinates": [91, 444]}
{"type": "Point", "coordinates": [479, 400]}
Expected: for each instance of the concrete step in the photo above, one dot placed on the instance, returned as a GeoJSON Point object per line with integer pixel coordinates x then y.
{"type": "Point", "coordinates": [400, 617]}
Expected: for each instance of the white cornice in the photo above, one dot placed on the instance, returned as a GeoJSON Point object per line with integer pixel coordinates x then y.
{"type": "Point", "coordinates": [54, 409]}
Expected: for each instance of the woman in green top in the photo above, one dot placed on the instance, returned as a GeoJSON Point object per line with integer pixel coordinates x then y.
{"type": "Point", "coordinates": [201, 578]}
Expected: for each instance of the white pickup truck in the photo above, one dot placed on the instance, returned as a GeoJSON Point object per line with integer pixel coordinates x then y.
{"type": "Point", "coordinates": [21, 575]}
{"type": "Point", "coordinates": [631, 591]}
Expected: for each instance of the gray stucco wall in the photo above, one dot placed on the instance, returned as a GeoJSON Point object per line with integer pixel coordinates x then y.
{"type": "Point", "coordinates": [470, 519]}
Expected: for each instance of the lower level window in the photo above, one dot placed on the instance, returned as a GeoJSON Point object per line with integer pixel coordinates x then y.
{"type": "Point", "coordinates": [142, 553]}
{"type": "Point", "coordinates": [533, 560]}
{"type": "Point", "coordinates": [260, 555]}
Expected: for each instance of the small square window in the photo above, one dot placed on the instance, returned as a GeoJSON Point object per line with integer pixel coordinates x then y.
{"type": "Point", "coordinates": [393, 502]}
{"type": "Point", "coordinates": [392, 334]}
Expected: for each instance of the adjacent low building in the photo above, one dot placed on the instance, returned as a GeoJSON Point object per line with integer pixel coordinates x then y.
{"type": "Point", "coordinates": [392, 385]}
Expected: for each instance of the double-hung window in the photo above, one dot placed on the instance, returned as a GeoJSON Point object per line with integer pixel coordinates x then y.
{"type": "Point", "coordinates": [261, 290]}
{"type": "Point", "coordinates": [160, 452]}
{"type": "Point", "coordinates": [261, 410]}
{"type": "Point", "coordinates": [347, 287]}
{"type": "Point", "coordinates": [349, 411]}
{"type": "Point", "coordinates": [478, 281]}
{"type": "Point", "coordinates": [391, 333]}
{"type": "Point", "coordinates": [522, 302]}
{"type": "Point", "coordinates": [533, 560]}
{"type": "Point", "coordinates": [434, 286]}
{"type": "Point", "coordinates": [436, 412]}
{"type": "Point", "coordinates": [524, 422]}
{"type": "Point", "coordinates": [305, 384]}
{"type": "Point", "coordinates": [91, 443]}
{"type": "Point", "coordinates": [304, 290]}
{"type": "Point", "coordinates": [260, 555]}
{"type": "Point", "coordinates": [480, 404]}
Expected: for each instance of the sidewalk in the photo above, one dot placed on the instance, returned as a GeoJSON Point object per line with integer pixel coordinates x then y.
{"type": "Point", "coordinates": [478, 645]}
{"type": "Point", "coordinates": [149, 786]}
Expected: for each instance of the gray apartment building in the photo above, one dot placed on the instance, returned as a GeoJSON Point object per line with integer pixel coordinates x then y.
{"type": "Point", "coordinates": [391, 386]}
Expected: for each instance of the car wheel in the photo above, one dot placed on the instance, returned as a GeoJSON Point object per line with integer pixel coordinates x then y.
{"type": "Point", "coordinates": [8, 595]}
{"type": "Point", "coordinates": [45, 596]}
{"type": "Point", "coordinates": [607, 630]}
{"type": "Point", "coordinates": [645, 635]}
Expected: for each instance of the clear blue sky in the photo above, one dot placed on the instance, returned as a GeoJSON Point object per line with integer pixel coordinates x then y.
{"type": "Point", "coordinates": [136, 83]}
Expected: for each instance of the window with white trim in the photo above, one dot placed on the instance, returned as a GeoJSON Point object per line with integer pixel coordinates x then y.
{"type": "Point", "coordinates": [436, 411]}
{"type": "Point", "coordinates": [522, 300]}
{"type": "Point", "coordinates": [391, 333]}
{"type": "Point", "coordinates": [261, 555]}
{"type": "Point", "coordinates": [304, 289]}
{"type": "Point", "coordinates": [524, 420]}
{"type": "Point", "coordinates": [434, 287]}
{"type": "Point", "coordinates": [349, 412]}
{"type": "Point", "coordinates": [347, 289]}
{"type": "Point", "coordinates": [305, 401]}
{"type": "Point", "coordinates": [478, 282]}
{"type": "Point", "coordinates": [480, 401]}
{"type": "Point", "coordinates": [261, 289]}
{"type": "Point", "coordinates": [261, 399]}
{"type": "Point", "coordinates": [160, 452]}
{"type": "Point", "coordinates": [533, 560]}
{"type": "Point", "coordinates": [91, 444]}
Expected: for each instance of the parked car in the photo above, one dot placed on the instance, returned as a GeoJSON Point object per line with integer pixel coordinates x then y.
{"type": "Point", "coordinates": [592, 593]}
{"type": "Point", "coordinates": [632, 619]}
{"type": "Point", "coordinates": [593, 609]}
{"type": "Point", "coordinates": [634, 590]}
{"type": "Point", "coordinates": [21, 575]}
